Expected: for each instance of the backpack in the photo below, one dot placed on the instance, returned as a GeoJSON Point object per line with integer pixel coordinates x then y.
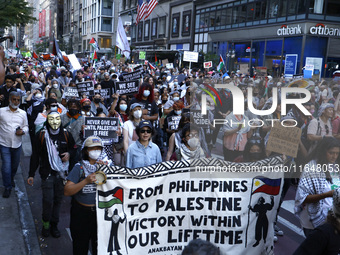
{"type": "Point", "coordinates": [42, 136]}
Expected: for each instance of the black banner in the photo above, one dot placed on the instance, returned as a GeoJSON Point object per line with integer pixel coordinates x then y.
{"type": "Point", "coordinates": [105, 128]}
{"type": "Point", "coordinates": [71, 92]}
{"type": "Point", "coordinates": [138, 68]}
{"type": "Point", "coordinates": [105, 93]}
{"type": "Point", "coordinates": [86, 88]}
{"type": "Point", "coordinates": [127, 87]}
{"type": "Point", "coordinates": [133, 76]}
{"type": "Point", "coordinates": [199, 119]}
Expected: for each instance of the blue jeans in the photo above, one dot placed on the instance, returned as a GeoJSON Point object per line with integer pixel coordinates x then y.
{"type": "Point", "coordinates": [10, 162]}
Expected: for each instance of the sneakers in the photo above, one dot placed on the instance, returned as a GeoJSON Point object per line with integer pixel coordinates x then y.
{"type": "Point", "coordinates": [6, 193]}
{"type": "Point", "coordinates": [45, 232]}
{"type": "Point", "coordinates": [55, 231]}
{"type": "Point", "coordinates": [275, 238]}
{"type": "Point", "coordinates": [277, 230]}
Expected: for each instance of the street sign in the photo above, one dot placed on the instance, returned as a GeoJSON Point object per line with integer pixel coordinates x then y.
{"type": "Point", "coordinates": [190, 56]}
{"type": "Point", "coordinates": [207, 64]}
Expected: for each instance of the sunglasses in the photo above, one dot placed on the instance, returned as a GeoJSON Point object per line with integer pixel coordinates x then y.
{"type": "Point", "coordinates": [145, 131]}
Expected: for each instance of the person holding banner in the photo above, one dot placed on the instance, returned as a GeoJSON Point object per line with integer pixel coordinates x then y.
{"type": "Point", "coordinates": [81, 185]}
{"type": "Point", "coordinates": [143, 152]}
{"type": "Point", "coordinates": [319, 178]}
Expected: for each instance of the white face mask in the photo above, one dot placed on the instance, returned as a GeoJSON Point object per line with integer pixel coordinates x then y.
{"type": "Point", "coordinates": [176, 99]}
{"type": "Point", "coordinates": [38, 96]}
{"type": "Point", "coordinates": [95, 154]}
{"type": "Point", "coordinates": [178, 112]}
{"type": "Point", "coordinates": [193, 142]}
{"type": "Point", "coordinates": [55, 86]}
{"type": "Point", "coordinates": [54, 108]}
{"type": "Point", "coordinates": [137, 114]}
{"type": "Point", "coordinates": [146, 93]}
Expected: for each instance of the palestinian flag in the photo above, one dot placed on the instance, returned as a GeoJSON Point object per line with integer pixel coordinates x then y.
{"type": "Point", "coordinates": [94, 44]}
{"type": "Point", "coordinates": [106, 199]}
{"type": "Point", "coordinates": [156, 62]}
{"type": "Point", "coordinates": [151, 66]}
{"type": "Point", "coordinates": [220, 65]}
{"type": "Point", "coordinates": [95, 58]}
{"type": "Point", "coordinates": [35, 55]}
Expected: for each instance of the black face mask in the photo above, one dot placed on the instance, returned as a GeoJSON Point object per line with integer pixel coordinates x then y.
{"type": "Point", "coordinates": [97, 100]}
{"type": "Point", "coordinates": [164, 101]}
{"type": "Point", "coordinates": [255, 156]}
{"type": "Point", "coordinates": [63, 74]}
{"type": "Point", "coordinates": [32, 80]}
{"type": "Point", "coordinates": [86, 108]}
{"type": "Point", "coordinates": [73, 112]}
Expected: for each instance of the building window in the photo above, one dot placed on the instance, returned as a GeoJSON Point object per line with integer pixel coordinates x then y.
{"type": "Point", "coordinates": [250, 11]}
{"type": "Point", "coordinates": [175, 25]}
{"type": "Point", "coordinates": [107, 25]}
{"type": "Point", "coordinates": [229, 16]}
{"type": "Point", "coordinates": [140, 31]}
{"type": "Point", "coordinates": [273, 8]}
{"type": "Point", "coordinates": [333, 7]}
{"type": "Point", "coordinates": [107, 8]}
{"type": "Point", "coordinates": [162, 24]}
{"type": "Point", "coordinates": [291, 7]}
{"type": "Point", "coordinates": [105, 42]}
{"type": "Point", "coordinates": [133, 32]}
{"type": "Point", "coordinates": [147, 30]}
{"type": "Point", "coordinates": [301, 6]}
{"type": "Point", "coordinates": [316, 6]}
{"type": "Point", "coordinates": [154, 28]}
{"type": "Point", "coordinates": [283, 8]}
{"type": "Point", "coordinates": [186, 23]}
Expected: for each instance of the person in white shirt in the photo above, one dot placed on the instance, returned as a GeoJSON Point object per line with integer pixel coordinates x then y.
{"type": "Point", "coordinates": [13, 125]}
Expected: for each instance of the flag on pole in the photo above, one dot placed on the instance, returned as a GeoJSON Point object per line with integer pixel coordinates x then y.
{"type": "Point", "coordinates": [220, 64]}
{"type": "Point", "coordinates": [150, 5]}
{"type": "Point", "coordinates": [121, 39]}
{"type": "Point", "coordinates": [17, 48]}
{"type": "Point", "coordinates": [35, 55]}
{"type": "Point", "coordinates": [156, 62]}
{"type": "Point", "coordinates": [95, 58]}
{"type": "Point", "coordinates": [141, 9]}
{"type": "Point", "coordinates": [56, 51]}
{"type": "Point", "coordinates": [94, 44]}
{"type": "Point", "coordinates": [151, 66]}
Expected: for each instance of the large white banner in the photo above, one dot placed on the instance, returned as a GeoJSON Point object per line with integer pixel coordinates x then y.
{"type": "Point", "coordinates": [159, 209]}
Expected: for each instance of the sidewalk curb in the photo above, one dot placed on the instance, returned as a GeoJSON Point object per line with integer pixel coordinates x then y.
{"type": "Point", "coordinates": [26, 218]}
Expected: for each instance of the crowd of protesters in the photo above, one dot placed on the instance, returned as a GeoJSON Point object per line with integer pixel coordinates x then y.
{"type": "Point", "coordinates": [155, 125]}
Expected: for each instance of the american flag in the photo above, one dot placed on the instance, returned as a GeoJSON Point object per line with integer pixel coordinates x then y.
{"type": "Point", "coordinates": [141, 10]}
{"type": "Point", "coordinates": [150, 5]}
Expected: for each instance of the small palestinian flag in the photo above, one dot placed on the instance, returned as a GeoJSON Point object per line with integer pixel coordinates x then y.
{"type": "Point", "coordinates": [220, 64]}
{"type": "Point", "coordinates": [106, 199]}
{"type": "Point", "coordinates": [95, 58]}
{"type": "Point", "coordinates": [151, 66]}
{"type": "Point", "coordinates": [94, 44]}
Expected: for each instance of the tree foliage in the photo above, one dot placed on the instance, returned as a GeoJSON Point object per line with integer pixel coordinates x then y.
{"type": "Point", "coordinates": [15, 12]}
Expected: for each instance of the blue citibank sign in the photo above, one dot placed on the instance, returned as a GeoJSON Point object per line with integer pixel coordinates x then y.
{"type": "Point", "coordinates": [290, 64]}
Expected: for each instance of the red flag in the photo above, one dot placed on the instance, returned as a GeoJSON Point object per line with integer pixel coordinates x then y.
{"type": "Point", "coordinates": [155, 59]}
{"type": "Point", "coordinates": [151, 66]}
{"type": "Point", "coordinates": [17, 46]}
{"type": "Point", "coordinates": [35, 55]}
{"type": "Point", "coordinates": [95, 58]}
{"type": "Point", "coordinates": [46, 57]}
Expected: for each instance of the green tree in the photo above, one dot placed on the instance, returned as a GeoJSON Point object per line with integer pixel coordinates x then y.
{"type": "Point", "coordinates": [15, 12]}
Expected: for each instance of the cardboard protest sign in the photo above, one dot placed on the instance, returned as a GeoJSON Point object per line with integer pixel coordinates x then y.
{"type": "Point", "coordinates": [71, 92]}
{"type": "Point", "coordinates": [142, 55]}
{"type": "Point", "coordinates": [169, 65]}
{"type": "Point", "coordinates": [261, 71]}
{"type": "Point", "coordinates": [199, 119]}
{"type": "Point", "coordinates": [244, 69]}
{"type": "Point", "coordinates": [284, 140]}
{"type": "Point", "coordinates": [86, 88]}
{"type": "Point", "coordinates": [133, 75]}
{"type": "Point", "coordinates": [105, 93]}
{"type": "Point", "coordinates": [173, 122]}
{"type": "Point", "coordinates": [105, 128]}
{"type": "Point", "coordinates": [74, 61]}
{"type": "Point", "coordinates": [158, 209]}
{"type": "Point", "coordinates": [127, 87]}
{"type": "Point", "coordinates": [165, 61]}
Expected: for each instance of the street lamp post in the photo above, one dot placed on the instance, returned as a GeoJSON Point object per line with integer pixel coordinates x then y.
{"type": "Point", "coordinates": [71, 43]}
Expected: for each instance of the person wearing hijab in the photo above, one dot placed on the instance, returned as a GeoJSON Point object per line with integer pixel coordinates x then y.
{"type": "Point", "coordinates": [81, 185]}
{"type": "Point", "coordinates": [54, 148]}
